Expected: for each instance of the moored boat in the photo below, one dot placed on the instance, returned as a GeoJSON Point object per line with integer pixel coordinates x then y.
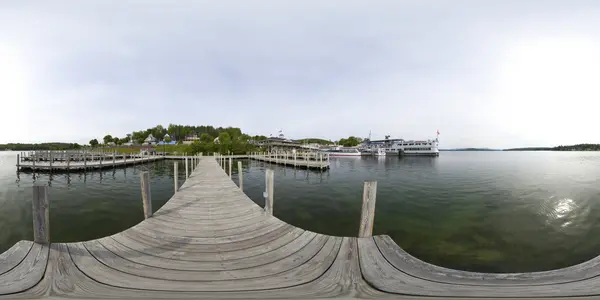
{"type": "Point", "coordinates": [343, 151]}
{"type": "Point", "coordinates": [401, 147]}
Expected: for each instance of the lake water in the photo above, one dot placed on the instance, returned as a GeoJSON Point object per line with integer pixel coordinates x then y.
{"type": "Point", "coordinates": [478, 211]}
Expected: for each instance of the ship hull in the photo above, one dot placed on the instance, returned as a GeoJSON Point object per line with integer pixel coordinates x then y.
{"type": "Point", "coordinates": [337, 154]}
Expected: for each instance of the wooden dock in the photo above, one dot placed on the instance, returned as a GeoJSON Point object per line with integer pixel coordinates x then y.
{"type": "Point", "coordinates": [211, 241]}
{"type": "Point", "coordinates": [307, 160]}
{"type": "Point", "coordinates": [73, 161]}
{"type": "Point", "coordinates": [97, 164]}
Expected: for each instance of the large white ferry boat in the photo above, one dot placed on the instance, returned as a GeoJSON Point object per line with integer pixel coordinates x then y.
{"type": "Point", "coordinates": [401, 147]}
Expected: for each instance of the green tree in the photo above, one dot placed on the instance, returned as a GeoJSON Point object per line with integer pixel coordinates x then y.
{"type": "Point", "coordinates": [350, 141]}
{"type": "Point", "coordinates": [167, 139]}
{"type": "Point", "coordinates": [94, 143]}
{"type": "Point", "coordinates": [116, 140]}
{"type": "Point", "coordinates": [224, 142]}
{"type": "Point", "coordinates": [206, 138]}
{"type": "Point", "coordinates": [107, 139]}
{"type": "Point", "coordinates": [123, 141]}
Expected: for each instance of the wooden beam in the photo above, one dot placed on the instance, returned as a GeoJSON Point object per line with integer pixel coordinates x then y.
{"type": "Point", "coordinates": [269, 182]}
{"type": "Point", "coordinates": [187, 175]}
{"type": "Point", "coordinates": [146, 196]}
{"type": "Point", "coordinates": [240, 175]}
{"type": "Point", "coordinates": [41, 215]}
{"type": "Point", "coordinates": [176, 176]}
{"type": "Point", "coordinates": [367, 215]}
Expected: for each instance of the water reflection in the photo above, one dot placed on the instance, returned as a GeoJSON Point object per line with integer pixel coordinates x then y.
{"type": "Point", "coordinates": [563, 207]}
{"type": "Point", "coordinates": [565, 212]}
{"type": "Point", "coordinates": [419, 160]}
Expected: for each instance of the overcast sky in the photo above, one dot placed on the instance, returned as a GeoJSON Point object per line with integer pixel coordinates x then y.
{"type": "Point", "coordinates": [485, 73]}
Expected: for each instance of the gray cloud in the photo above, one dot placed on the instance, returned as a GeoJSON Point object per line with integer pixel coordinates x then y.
{"type": "Point", "coordinates": [314, 68]}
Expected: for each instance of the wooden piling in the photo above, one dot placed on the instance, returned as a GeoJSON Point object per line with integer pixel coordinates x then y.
{"type": "Point", "coordinates": [146, 197]}
{"type": "Point", "coordinates": [176, 176]}
{"type": "Point", "coordinates": [18, 160]}
{"type": "Point", "coordinates": [240, 176]}
{"type": "Point", "coordinates": [230, 167]}
{"type": "Point", "coordinates": [186, 169]}
{"type": "Point", "coordinates": [51, 159]}
{"type": "Point", "coordinates": [367, 215]}
{"type": "Point", "coordinates": [41, 215]}
{"type": "Point", "coordinates": [269, 175]}
{"type": "Point", "coordinates": [68, 162]}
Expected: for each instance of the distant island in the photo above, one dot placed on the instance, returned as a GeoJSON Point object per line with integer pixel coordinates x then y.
{"type": "Point", "coordinates": [471, 149]}
{"type": "Point", "coordinates": [578, 147]}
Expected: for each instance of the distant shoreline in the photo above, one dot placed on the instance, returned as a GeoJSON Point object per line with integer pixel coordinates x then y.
{"type": "Point", "coordinates": [579, 147]}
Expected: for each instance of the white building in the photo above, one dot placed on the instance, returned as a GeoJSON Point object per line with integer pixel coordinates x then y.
{"type": "Point", "coordinates": [150, 140]}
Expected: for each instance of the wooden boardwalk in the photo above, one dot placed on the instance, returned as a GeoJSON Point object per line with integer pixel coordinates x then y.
{"type": "Point", "coordinates": [211, 241]}
{"type": "Point", "coordinates": [46, 166]}
{"type": "Point", "coordinates": [308, 164]}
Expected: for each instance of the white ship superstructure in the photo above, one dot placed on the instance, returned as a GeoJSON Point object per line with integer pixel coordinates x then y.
{"type": "Point", "coordinates": [390, 147]}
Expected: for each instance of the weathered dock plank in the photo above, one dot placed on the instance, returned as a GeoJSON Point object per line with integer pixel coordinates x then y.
{"type": "Point", "coordinates": [211, 241]}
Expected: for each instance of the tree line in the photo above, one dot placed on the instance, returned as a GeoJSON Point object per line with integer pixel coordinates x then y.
{"type": "Point", "coordinates": [351, 141]}
{"type": "Point", "coordinates": [39, 146]}
{"type": "Point", "coordinates": [578, 147]}
{"type": "Point", "coordinates": [175, 132]}
{"type": "Point", "coordinates": [208, 138]}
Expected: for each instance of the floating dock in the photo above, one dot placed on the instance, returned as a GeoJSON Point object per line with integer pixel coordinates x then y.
{"type": "Point", "coordinates": [73, 161]}
{"type": "Point", "coordinates": [211, 241]}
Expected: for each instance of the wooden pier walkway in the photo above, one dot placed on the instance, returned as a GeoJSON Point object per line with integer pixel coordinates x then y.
{"type": "Point", "coordinates": [110, 162]}
{"type": "Point", "coordinates": [307, 160]}
{"type": "Point", "coordinates": [211, 241]}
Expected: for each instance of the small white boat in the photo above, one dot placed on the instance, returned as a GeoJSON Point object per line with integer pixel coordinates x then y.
{"type": "Point", "coordinates": [343, 151]}
{"type": "Point", "coordinates": [380, 152]}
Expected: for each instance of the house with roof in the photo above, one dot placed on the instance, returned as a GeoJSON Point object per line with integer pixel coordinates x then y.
{"type": "Point", "coordinates": [150, 140]}
{"type": "Point", "coordinates": [190, 139]}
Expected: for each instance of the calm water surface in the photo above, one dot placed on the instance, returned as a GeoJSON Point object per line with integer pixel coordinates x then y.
{"type": "Point", "coordinates": [479, 211]}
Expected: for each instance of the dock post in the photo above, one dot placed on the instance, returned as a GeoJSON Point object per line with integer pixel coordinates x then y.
{"type": "Point", "coordinates": [240, 175]}
{"type": "Point", "coordinates": [367, 214]}
{"type": "Point", "coordinates": [294, 159]}
{"type": "Point", "coordinates": [146, 197]}
{"type": "Point", "coordinates": [18, 161]}
{"type": "Point", "coordinates": [68, 162]}
{"type": "Point", "coordinates": [84, 161]}
{"type": "Point", "coordinates": [41, 215]}
{"type": "Point", "coordinates": [176, 176]}
{"type": "Point", "coordinates": [114, 161]}
{"type": "Point", "coordinates": [51, 158]}
{"type": "Point", "coordinates": [269, 174]}
{"type": "Point", "coordinates": [229, 167]}
{"type": "Point", "coordinates": [321, 161]}
{"type": "Point", "coordinates": [307, 158]}
{"type": "Point", "coordinates": [186, 168]}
